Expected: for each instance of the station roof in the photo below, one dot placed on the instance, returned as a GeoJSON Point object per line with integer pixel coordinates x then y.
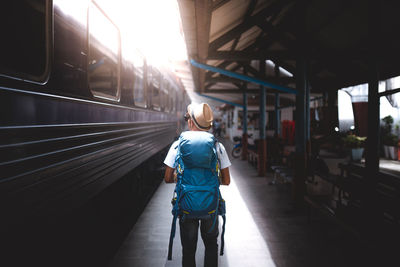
{"type": "Point", "coordinates": [338, 38]}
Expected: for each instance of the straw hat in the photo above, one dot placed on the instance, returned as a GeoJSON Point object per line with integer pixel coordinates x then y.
{"type": "Point", "coordinates": [201, 115]}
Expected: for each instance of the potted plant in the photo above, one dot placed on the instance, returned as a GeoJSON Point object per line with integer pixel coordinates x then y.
{"type": "Point", "coordinates": [386, 130]}
{"type": "Point", "coordinates": [356, 144]}
{"type": "Point", "coordinates": [390, 141]}
{"type": "Point", "coordinates": [397, 129]}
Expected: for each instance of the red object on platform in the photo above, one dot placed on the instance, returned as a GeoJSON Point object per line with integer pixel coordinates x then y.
{"type": "Point", "coordinates": [398, 150]}
{"type": "Point", "coordinates": [360, 110]}
{"type": "Point", "coordinates": [288, 130]}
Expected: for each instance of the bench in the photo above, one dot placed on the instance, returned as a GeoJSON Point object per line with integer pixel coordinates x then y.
{"type": "Point", "coordinates": [284, 172]}
{"type": "Point", "coordinates": [323, 205]}
{"type": "Point", "coordinates": [346, 203]}
{"type": "Point", "coordinates": [320, 179]}
{"type": "Point", "coordinates": [321, 187]}
{"type": "Point", "coordinates": [387, 192]}
{"type": "Point", "coordinates": [252, 157]}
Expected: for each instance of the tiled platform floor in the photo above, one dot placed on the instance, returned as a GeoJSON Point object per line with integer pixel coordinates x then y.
{"type": "Point", "coordinates": [262, 230]}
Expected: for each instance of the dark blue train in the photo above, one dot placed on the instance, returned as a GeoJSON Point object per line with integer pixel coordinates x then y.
{"type": "Point", "coordinates": [75, 114]}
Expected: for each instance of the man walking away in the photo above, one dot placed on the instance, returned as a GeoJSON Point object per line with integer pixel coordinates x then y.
{"type": "Point", "coordinates": [200, 161]}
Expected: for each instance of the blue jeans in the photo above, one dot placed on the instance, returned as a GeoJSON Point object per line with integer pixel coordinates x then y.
{"type": "Point", "coordinates": [189, 233]}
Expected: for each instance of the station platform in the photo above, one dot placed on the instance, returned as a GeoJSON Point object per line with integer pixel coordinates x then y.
{"type": "Point", "coordinates": [262, 229]}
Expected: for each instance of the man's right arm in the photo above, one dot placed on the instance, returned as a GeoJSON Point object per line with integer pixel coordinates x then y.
{"type": "Point", "coordinates": [225, 176]}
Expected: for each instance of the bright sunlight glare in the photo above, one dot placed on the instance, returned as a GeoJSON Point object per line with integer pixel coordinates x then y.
{"type": "Point", "coordinates": [153, 26]}
{"type": "Point", "coordinates": [248, 238]}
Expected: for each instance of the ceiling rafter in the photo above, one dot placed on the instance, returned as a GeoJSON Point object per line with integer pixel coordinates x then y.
{"type": "Point", "coordinates": [260, 43]}
{"type": "Point", "coordinates": [249, 11]}
{"type": "Point", "coordinates": [273, 33]}
{"type": "Point", "coordinates": [240, 55]}
{"type": "Point", "coordinates": [243, 27]}
{"type": "Point", "coordinates": [341, 66]}
{"type": "Point", "coordinates": [260, 40]}
{"type": "Point", "coordinates": [218, 3]}
{"type": "Point", "coordinates": [231, 91]}
{"type": "Point", "coordinates": [203, 24]}
{"type": "Point", "coordinates": [227, 63]}
{"type": "Point", "coordinates": [224, 79]}
{"type": "Point", "coordinates": [343, 5]}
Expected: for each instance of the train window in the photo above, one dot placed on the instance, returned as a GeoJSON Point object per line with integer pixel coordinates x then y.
{"type": "Point", "coordinates": [139, 86]}
{"type": "Point", "coordinates": [127, 83]}
{"type": "Point", "coordinates": [164, 94]}
{"type": "Point", "coordinates": [174, 98]}
{"type": "Point", "coordinates": [168, 100]}
{"type": "Point", "coordinates": [25, 27]}
{"type": "Point", "coordinates": [155, 89]}
{"type": "Point", "coordinates": [170, 103]}
{"type": "Point", "coordinates": [181, 103]}
{"type": "Point", "coordinates": [104, 55]}
{"type": "Point", "coordinates": [169, 95]}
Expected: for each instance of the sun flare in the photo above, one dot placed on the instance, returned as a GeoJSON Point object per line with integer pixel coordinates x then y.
{"type": "Point", "coordinates": [153, 27]}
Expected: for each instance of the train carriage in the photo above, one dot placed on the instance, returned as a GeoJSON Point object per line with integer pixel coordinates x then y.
{"type": "Point", "coordinates": [76, 115]}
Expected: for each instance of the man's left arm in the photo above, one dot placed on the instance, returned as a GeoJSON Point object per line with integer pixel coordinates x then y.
{"type": "Point", "coordinates": [169, 175]}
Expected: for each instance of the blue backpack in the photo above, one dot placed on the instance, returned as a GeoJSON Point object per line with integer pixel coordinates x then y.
{"type": "Point", "coordinates": [197, 194]}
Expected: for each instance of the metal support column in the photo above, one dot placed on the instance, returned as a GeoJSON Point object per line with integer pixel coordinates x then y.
{"type": "Point", "coordinates": [245, 136]}
{"type": "Point", "coordinates": [245, 112]}
{"type": "Point", "coordinates": [277, 110]}
{"type": "Point", "coordinates": [263, 121]}
{"type": "Point", "coordinates": [298, 187]}
{"type": "Point", "coordinates": [372, 145]}
{"type": "Point", "coordinates": [277, 116]}
{"type": "Point", "coordinates": [300, 134]}
{"type": "Point", "coordinates": [308, 118]}
{"type": "Point", "coordinates": [371, 210]}
{"type": "Point", "coordinates": [262, 145]}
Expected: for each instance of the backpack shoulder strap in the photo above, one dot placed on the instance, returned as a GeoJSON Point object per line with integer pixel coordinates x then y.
{"type": "Point", "coordinates": [172, 235]}
{"type": "Point", "coordinates": [215, 149]}
{"type": "Point", "coordinates": [221, 212]}
{"type": "Point", "coordinates": [175, 210]}
{"type": "Point", "coordinates": [178, 159]}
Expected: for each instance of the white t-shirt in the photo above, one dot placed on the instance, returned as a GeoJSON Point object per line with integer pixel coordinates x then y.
{"type": "Point", "coordinates": [173, 150]}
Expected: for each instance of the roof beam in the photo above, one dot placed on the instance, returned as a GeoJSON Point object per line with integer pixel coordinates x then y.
{"type": "Point", "coordinates": [289, 55]}
{"type": "Point", "coordinates": [226, 63]}
{"type": "Point", "coordinates": [218, 3]}
{"type": "Point", "coordinates": [343, 5]}
{"type": "Point", "coordinates": [231, 91]}
{"type": "Point", "coordinates": [221, 100]}
{"type": "Point", "coordinates": [250, 9]}
{"type": "Point", "coordinates": [250, 69]}
{"type": "Point", "coordinates": [247, 56]}
{"type": "Point", "coordinates": [244, 77]}
{"type": "Point", "coordinates": [243, 27]}
{"type": "Point", "coordinates": [223, 79]}
{"type": "Point", "coordinates": [273, 32]}
{"type": "Point", "coordinates": [203, 22]}
{"type": "Point", "coordinates": [389, 92]}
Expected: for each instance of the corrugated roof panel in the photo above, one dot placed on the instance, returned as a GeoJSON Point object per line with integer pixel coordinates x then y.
{"type": "Point", "coordinates": [248, 37]}
{"type": "Point", "coordinates": [187, 12]}
{"type": "Point", "coordinates": [227, 46]}
{"type": "Point", "coordinates": [227, 17]}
